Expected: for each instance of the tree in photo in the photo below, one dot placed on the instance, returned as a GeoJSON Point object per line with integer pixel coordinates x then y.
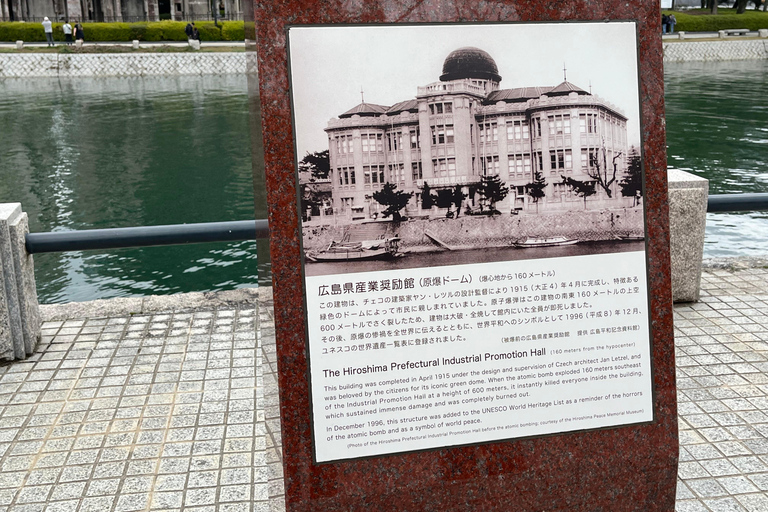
{"type": "Point", "coordinates": [493, 190]}
{"type": "Point", "coordinates": [443, 198]}
{"type": "Point", "coordinates": [632, 184]}
{"type": "Point", "coordinates": [395, 200]}
{"type": "Point", "coordinates": [427, 200]}
{"type": "Point", "coordinates": [601, 171]}
{"type": "Point", "coordinates": [580, 188]}
{"type": "Point", "coordinates": [458, 198]}
{"type": "Point", "coordinates": [318, 164]}
{"type": "Point", "coordinates": [535, 189]}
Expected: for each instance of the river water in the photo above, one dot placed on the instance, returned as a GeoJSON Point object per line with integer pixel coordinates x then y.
{"type": "Point", "coordinates": [96, 153]}
{"type": "Point", "coordinates": [717, 128]}
{"type": "Point", "coordinates": [118, 152]}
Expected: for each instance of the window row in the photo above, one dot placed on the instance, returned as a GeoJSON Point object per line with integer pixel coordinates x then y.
{"type": "Point", "coordinates": [443, 167]}
{"type": "Point", "coordinates": [374, 142]}
{"type": "Point", "coordinates": [346, 175]}
{"type": "Point", "coordinates": [441, 108]}
{"type": "Point", "coordinates": [442, 134]}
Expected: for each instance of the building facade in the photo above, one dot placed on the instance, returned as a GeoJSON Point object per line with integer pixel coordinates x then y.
{"type": "Point", "coordinates": [117, 10]}
{"type": "Point", "coordinates": [465, 126]}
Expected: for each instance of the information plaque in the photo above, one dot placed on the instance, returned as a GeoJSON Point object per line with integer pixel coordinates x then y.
{"type": "Point", "coordinates": [474, 246]}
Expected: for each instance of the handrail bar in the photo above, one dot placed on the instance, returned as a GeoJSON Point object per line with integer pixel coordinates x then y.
{"type": "Point", "coordinates": [145, 236]}
{"type": "Point", "coordinates": [737, 202]}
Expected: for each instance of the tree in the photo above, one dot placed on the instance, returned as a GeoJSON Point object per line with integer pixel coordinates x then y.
{"type": "Point", "coordinates": [535, 189]}
{"type": "Point", "coordinates": [395, 200]}
{"type": "Point", "coordinates": [600, 171]}
{"type": "Point", "coordinates": [580, 188]}
{"type": "Point", "coordinates": [632, 184]}
{"type": "Point", "coordinates": [318, 164]}
{"type": "Point", "coordinates": [493, 190]}
{"type": "Point", "coordinates": [458, 198]}
{"type": "Point", "coordinates": [426, 197]}
{"type": "Point", "coordinates": [444, 198]}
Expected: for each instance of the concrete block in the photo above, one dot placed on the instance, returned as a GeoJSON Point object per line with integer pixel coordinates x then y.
{"type": "Point", "coordinates": [12, 345]}
{"type": "Point", "coordinates": [79, 43]}
{"type": "Point", "coordinates": [135, 44]}
{"type": "Point", "coordinates": [687, 220]}
{"type": "Point", "coordinates": [721, 34]}
{"type": "Point", "coordinates": [681, 34]}
{"type": "Point", "coordinates": [19, 45]}
{"type": "Point", "coordinates": [25, 283]}
{"type": "Point", "coordinates": [195, 44]}
{"type": "Point", "coordinates": [763, 32]}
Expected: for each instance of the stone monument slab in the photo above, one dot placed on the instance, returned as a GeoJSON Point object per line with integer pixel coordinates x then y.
{"type": "Point", "coordinates": [13, 346]}
{"type": "Point", "coordinates": [387, 390]}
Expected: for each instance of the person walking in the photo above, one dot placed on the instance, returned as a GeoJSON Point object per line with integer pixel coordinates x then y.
{"type": "Point", "coordinates": [196, 34]}
{"type": "Point", "coordinates": [67, 28]}
{"type": "Point", "coordinates": [189, 30]}
{"type": "Point", "coordinates": [48, 28]}
{"type": "Point", "coordinates": [79, 35]}
{"type": "Point", "coordinates": [672, 21]}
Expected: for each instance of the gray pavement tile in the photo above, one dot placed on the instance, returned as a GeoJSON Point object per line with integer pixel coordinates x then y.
{"type": "Point", "coordinates": [724, 505]}
{"type": "Point", "coordinates": [753, 502]}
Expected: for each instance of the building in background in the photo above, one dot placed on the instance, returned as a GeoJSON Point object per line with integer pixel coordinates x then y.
{"type": "Point", "coordinates": [463, 127]}
{"type": "Point", "coordinates": [119, 10]}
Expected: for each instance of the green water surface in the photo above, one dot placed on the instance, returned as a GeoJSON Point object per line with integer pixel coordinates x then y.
{"type": "Point", "coordinates": [97, 153]}
{"type": "Point", "coordinates": [117, 152]}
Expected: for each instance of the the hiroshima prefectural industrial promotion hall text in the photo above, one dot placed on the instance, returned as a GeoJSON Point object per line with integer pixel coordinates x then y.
{"type": "Point", "coordinates": [465, 126]}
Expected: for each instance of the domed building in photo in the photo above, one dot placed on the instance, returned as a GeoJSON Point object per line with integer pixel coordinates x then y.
{"type": "Point", "coordinates": [464, 127]}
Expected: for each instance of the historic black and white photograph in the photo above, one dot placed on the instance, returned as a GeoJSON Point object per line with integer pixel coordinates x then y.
{"type": "Point", "coordinates": [433, 145]}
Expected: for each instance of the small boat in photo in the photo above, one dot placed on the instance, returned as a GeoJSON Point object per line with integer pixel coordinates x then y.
{"type": "Point", "coordinates": [551, 241]}
{"type": "Point", "coordinates": [366, 241]}
{"type": "Point", "coordinates": [630, 238]}
{"type": "Point", "coordinates": [365, 250]}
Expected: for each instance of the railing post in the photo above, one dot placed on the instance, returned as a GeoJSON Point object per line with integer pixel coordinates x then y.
{"type": "Point", "coordinates": [19, 309]}
{"type": "Point", "coordinates": [687, 220]}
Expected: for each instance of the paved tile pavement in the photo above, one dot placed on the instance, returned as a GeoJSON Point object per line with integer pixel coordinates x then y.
{"type": "Point", "coordinates": [178, 410]}
{"type": "Point", "coordinates": [722, 381]}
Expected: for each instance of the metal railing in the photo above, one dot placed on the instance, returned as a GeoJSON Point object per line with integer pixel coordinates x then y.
{"type": "Point", "coordinates": [174, 234]}
{"type": "Point", "coordinates": [146, 236]}
{"type": "Point", "coordinates": [737, 202]}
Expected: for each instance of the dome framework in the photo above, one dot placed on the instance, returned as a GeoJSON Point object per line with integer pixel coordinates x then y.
{"type": "Point", "coordinates": [469, 62]}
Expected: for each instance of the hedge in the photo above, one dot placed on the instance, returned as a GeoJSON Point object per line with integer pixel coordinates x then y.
{"type": "Point", "coordinates": [689, 22]}
{"type": "Point", "coordinates": [120, 32]}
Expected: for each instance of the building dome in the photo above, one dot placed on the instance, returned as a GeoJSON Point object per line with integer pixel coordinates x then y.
{"type": "Point", "coordinates": [469, 62]}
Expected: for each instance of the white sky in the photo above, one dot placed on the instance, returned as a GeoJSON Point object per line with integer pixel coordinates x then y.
{"type": "Point", "coordinates": [330, 64]}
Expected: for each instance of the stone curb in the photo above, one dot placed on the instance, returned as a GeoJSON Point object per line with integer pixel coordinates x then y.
{"type": "Point", "coordinates": [128, 306]}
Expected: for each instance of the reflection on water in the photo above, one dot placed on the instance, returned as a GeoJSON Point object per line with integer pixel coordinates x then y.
{"type": "Point", "coordinates": [94, 153]}
{"type": "Point", "coordinates": [444, 258]}
{"type": "Point", "coordinates": [717, 128]}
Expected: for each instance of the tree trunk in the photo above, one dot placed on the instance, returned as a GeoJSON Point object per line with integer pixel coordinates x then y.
{"type": "Point", "coordinates": [741, 6]}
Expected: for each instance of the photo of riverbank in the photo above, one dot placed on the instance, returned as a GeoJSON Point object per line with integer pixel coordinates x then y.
{"type": "Point", "coordinates": [533, 163]}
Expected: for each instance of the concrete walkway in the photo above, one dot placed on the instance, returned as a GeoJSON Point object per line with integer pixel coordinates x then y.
{"type": "Point", "coordinates": [171, 403]}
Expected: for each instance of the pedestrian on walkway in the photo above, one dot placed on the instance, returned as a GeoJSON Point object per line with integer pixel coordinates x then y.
{"type": "Point", "coordinates": [196, 34]}
{"type": "Point", "coordinates": [79, 35]}
{"type": "Point", "coordinates": [189, 30]}
{"type": "Point", "coordinates": [672, 21]}
{"type": "Point", "coordinates": [67, 28]}
{"type": "Point", "coordinates": [48, 28]}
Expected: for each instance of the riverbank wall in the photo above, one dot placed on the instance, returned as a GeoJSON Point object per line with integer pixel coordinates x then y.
{"type": "Point", "coordinates": [497, 231]}
{"type": "Point", "coordinates": [29, 65]}
{"type": "Point", "coordinates": [690, 51]}
{"type": "Point", "coordinates": [23, 65]}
